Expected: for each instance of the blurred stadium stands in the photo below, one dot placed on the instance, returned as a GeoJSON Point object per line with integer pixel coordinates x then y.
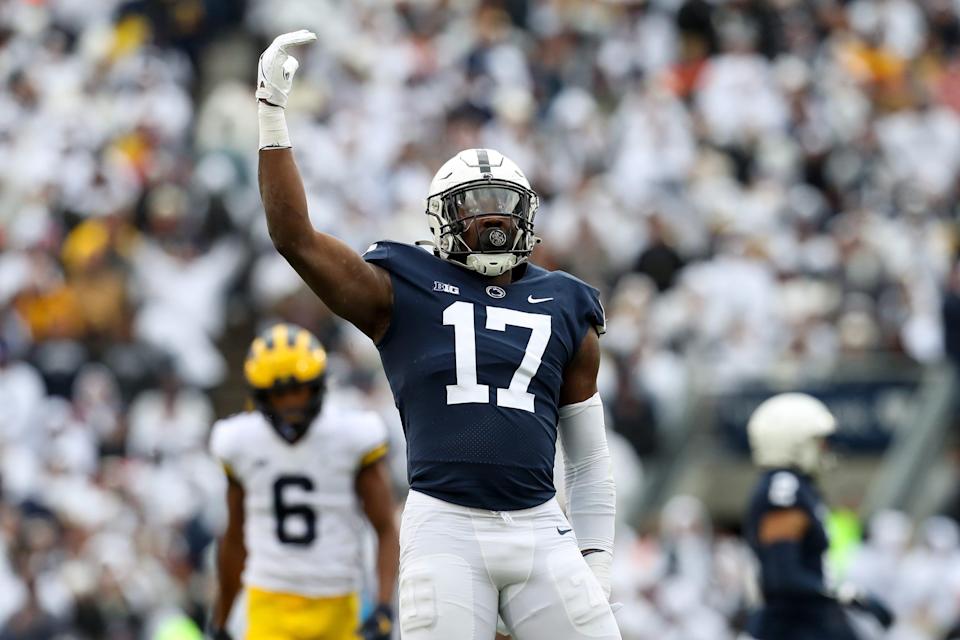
{"type": "Point", "coordinates": [765, 192]}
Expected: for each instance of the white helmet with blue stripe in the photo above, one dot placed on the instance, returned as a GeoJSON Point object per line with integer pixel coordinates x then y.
{"type": "Point", "coordinates": [786, 431]}
{"type": "Point", "coordinates": [474, 184]}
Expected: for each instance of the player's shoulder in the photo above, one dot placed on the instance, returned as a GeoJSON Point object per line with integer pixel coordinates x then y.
{"type": "Point", "coordinates": [780, 489]}
{"type": "Point", "coordinates": [388, 252]}
{"type": "Point", "coordinates": [579, 297]}
{"type": "Point", "coordinates": [357, 429]}
{"type": "Point", "coordinates": [568, 279]}
{"type": "Point", "coordinates": [230, 435]}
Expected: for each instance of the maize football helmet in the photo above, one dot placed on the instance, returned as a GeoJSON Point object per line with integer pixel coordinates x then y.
{"type": "Point", "coordinates": [477, 183]}
{"type": "Point", "coordinates": [285, 356]}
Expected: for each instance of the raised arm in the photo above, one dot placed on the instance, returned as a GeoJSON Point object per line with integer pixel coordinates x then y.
{"type": "Point", "coordinates": [353, 289]}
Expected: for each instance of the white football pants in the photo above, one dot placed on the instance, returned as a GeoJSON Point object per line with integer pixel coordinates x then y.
{"type": "Point", "coordinates": [460, 567]}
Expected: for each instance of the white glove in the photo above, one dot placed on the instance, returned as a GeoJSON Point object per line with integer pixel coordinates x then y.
{"type": "Point", "coordinates": [600, 563]}
{"type": "Point", "coordinates": [277, 67]}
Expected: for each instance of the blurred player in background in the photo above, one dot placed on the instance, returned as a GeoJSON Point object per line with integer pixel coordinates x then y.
{"type": "Point", "coordinates": [488, 358]}
{"type": "Point", "coordinates": [786, 526]}
{"type": "Point", "coordinates": [299, 475]}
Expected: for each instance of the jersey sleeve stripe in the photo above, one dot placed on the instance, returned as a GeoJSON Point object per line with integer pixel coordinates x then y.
{"type": "Point", "coordinates": [373, 455]}
{"type": "Point", "coordinates": [227, 469]}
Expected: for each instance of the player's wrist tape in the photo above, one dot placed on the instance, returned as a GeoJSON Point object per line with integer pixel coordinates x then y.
{"type": "Point", "coordinates": [601, 564]}
{"type": "Point", "coordinates": [273, 127]}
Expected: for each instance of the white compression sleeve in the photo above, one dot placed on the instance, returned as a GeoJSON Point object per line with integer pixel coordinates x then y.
{"type": "Point", "coordinates": [591, 494]}
{"type": "Point", "coordinates": [273, 127]}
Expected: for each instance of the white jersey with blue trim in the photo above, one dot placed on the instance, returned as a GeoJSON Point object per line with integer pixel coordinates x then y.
{"type": "Point", "coordinates": [303, 522]}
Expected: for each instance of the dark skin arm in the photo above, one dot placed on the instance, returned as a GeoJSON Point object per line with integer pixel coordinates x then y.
{"type": "Point", "coordinates": [788, 525]}
{"type": "Point", "coordinates": [355, 290]}
{"type": "Point", "coordinates": [580, 376]}
{"type": "Point", "coordinates": [376, 494]}
{"type": "Point", "coordinates": [231, 555]}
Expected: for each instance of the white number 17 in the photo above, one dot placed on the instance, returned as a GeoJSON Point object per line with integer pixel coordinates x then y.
{"type": "Point", "coordinates": [467, 390]}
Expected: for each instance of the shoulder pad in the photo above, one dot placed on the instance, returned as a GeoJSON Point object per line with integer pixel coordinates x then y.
{"type": "Point", "coordinates": [589, 298]}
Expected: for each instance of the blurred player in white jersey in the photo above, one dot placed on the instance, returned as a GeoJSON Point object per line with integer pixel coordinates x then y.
{"type": "Point", "coordinates": [301, 478]}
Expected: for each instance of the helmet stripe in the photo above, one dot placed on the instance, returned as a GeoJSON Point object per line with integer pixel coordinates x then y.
{"type": "Point", "coordinates": [259, 346]}
{"type": "Point", "coordinates": [279, 335]}
{"type": "Point", "coordinates": [484, 160]}
{"type": "Point", "coordinates": [292, 331]}
{"type": "Point", "coordinates": [301, 341]}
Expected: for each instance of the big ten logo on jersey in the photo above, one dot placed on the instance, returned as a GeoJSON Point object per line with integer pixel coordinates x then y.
{"type": "Point", "coordinates": [446, 288]}
{"type": "Point", "coordinates": [468, 389]}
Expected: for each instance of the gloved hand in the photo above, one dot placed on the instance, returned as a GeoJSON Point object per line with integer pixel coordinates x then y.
{"type": "Point", "coordinates": [600, 563]}
{"type": "Point", "coordinates": [379, 624]}
{"type": "Point", "coordinates": [277, 67]}
{"type": "Point", "coordinates": [876, 608]}
{"type": "Point", "coordinates": [852, 597]}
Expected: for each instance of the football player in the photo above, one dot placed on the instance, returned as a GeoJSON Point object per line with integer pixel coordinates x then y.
{"type": "Point", "coordinates": [301, 476]}
{"type": "Point", "coordinates": [488, 358]}
{"type": "Point", "coordinates": [785, 526]}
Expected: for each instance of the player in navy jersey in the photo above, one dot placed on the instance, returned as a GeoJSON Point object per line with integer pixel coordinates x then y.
{"type": "Point", "coordinates": [489, 358]}
{"type": "Point", "coordinates": [785, 526]}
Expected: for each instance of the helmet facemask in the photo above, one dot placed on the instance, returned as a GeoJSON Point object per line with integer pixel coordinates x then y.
{"type": "Point", "coordinates": [291, 428]}
{"type": "Point", "coordinates": [499, 249]}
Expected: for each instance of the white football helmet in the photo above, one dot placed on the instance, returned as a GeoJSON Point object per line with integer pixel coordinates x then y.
{"type": "Point", "coordinates": [786, 430]}
{"type": "Point", "coordinates": [473, 184]}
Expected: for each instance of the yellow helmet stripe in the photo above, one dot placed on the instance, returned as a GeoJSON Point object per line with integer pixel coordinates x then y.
{"type": "Point", "coordinates": [303, 340]}
{"type": "Point", "coordinates": [257, 348]}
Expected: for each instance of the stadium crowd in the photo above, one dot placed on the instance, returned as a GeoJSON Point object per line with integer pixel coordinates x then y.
{"type": "Point", "coordinates": [757, 187]}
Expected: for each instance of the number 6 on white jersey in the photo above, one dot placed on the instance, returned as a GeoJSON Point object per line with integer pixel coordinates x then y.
{"type": "Point", "coordinates": [467, 390]}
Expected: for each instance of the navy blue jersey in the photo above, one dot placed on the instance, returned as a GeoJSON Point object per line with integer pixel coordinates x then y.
{"type": "Point", "coordinates": [814, 614]}
{"type": "Point", "coordinates": [476, 371]}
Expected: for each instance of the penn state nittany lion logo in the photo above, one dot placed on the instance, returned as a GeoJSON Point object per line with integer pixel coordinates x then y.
{"type": "Point", "coordinates": [496, 292]}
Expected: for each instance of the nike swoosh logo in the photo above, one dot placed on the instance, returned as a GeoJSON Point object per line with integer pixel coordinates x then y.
{"type": "Point", "coordinates": [533, 300]}
{"type": "Point", "coordinates": [563, 531]}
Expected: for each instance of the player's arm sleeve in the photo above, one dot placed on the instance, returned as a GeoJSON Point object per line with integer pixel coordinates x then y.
{"type": "Point", "coordinates": [596, 316]}
{"type": "Point", "coordinates": [222, 449]}
{"type": "Point", "coordinates": [371, 444]}
{"type": "Point", "coordinates": [591, 495]}
{"type": "Point", "coordinates": [379, 253]}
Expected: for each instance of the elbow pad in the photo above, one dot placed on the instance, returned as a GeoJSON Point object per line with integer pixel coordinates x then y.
{"type": "Point", "coordinates": [591, 495]}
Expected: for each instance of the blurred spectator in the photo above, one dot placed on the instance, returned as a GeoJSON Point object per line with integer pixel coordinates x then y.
{"type": "Point", "coordinates": [31, 622]}
{"type": "Point", "coordinates": [659, 260]}
{"type": "Point", "coordinates": [168, 421]}
{"type": "Point", "coordinates": [951, 317]}
{"type": "Point", "coordinates": [21, 390]}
